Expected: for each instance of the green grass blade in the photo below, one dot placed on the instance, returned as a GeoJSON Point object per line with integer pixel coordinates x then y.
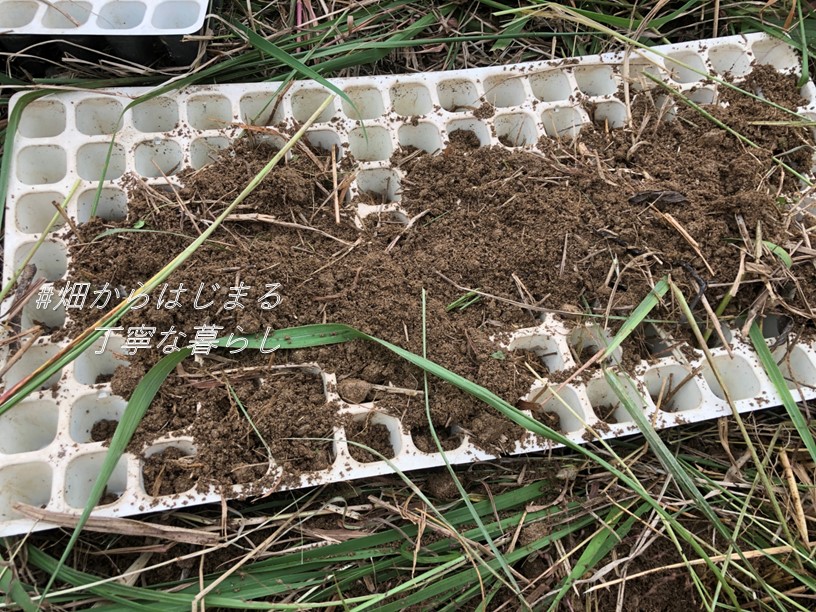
{"type": "Point", "coordinates": [292, 569]}
{"type": "Point", "coordinates": [629, 23]}
{"type": "Point", "coordinates": [454, 584]}
{"type": "Point", "coordinates": [600, 545]}
{"type": "Point", "coordinates": [766, 482]}
{"type": "Point", "coordinates": [436, 572]}
{"type": "Point", "coordinates": [13, 589]}
{"type": "Point", "coordinates": [673, 467]}
{"type": "Point", "coordinates": [778, 380]}
{"type": "Point", "coordinates": [779, 252]}
{"type": "Point", "coordinates": [263, 45]}
{"type": "Point", "coordinates": [139, 598]}
{"type": "Point", "coordinates": [460, 489]}
{"type": "Point", "coordinates": [804, 48]}
{"type": "Point", "coordinates": [642, 311]}
{"type": "Point", "coordinates": [127, 230]}
{"type": "Point", "coordinates": [664, 455]}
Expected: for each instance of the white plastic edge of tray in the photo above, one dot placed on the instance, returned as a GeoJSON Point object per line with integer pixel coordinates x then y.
{"type": "Point", "coordinates": [46, 458]}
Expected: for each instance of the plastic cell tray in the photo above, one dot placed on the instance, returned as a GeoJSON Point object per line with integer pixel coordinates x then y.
{"type": "Point", "coordinates": [102, 17]}
{"type": "Point", "coordinates": [47, 457]}
{"type": "Point", "coordinates": [129, 27]}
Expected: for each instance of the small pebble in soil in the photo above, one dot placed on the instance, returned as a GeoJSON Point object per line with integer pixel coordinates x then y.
{"type": "Point", "coordinates": [353, 390]}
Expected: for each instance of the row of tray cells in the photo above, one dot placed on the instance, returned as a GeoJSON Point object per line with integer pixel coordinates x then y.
{"type": "Point", "coordinates": [689, 66]}
{"type": "Point", "coordinates": [34, 210]}
{"type": "Point", "coordinates": [735, 60]}
{"type": "Point", "coordinates": [105, 115]}
{"type": "Point", "coordinates": [115, 15]}
{"type": "Point", "coordinates": [155, 158]}
{"type": "Point", "coordinates": [32, 481]}
{"type": "Point", "coordinates": [672, 387]}
{"type": "Point", "coordinates": [33, 425]}
{"type": "Point", "coordinates": [158, 157]}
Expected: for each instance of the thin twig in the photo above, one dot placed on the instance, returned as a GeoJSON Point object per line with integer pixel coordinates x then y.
{"type": "Point", "coordinates": [64, 214]}
{"type": "Point", "coordinates": [751, 554]}
{"type": "Point", "coordinates": [120, 526]}
{"type": "Point", "coordinates": [799, 512]}
{"type": "Point", "coordinates": [261, 218]}
{"type": "Point", "coordinates": [407, 227]}
{"type": "Point", "coordinates": [508, 301]}
{"type": "Point", "coordinates": [35, 332]}
{"type": "Point", "coordinates": [715, 323]}
{"type": "Point", "coordinates": [334, 183]}
{"type": "Point", "coordinates": [686, 236]}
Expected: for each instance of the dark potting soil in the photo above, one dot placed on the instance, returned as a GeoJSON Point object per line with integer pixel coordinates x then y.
{"type": "Point", "coordinates": [590, 224]}
{"type": "Point", "coordinates": [373, 435]}
{"type": "Point", "coordinates": [169, 471]}
{"type": "Point", "coordinates": [103, 430]}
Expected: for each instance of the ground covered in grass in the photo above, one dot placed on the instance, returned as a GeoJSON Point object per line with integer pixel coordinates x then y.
{"type": "Point", "coordinates": [725, 516]}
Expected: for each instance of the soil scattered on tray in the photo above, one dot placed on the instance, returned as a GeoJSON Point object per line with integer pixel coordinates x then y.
{"type": "Point", "coordinates": [606, 413]}
{"type": "Point", "coordinates": [103, 430]}
{"type": "Point", "coordinates": [498, 235]}
{"type": "Point", "coordinates": [168, 471]}
{"type": "Point", "coordinates": [423, 439]}
{"type": "Point", "coordinates": [373, 435]}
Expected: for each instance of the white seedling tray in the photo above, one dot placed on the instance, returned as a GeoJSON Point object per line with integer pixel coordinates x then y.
{"type": "Point", "coordinates": [46, 456]}
{"type": "Point", "coordinates": [102, 17]}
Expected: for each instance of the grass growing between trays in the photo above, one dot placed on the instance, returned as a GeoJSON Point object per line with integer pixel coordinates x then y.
{"type": "Point", "coordinates": [802, 566]}
{"type": "Point", "coordinates": [439, 565]}
{"type": "Point", "coordinates": [381, 556]}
